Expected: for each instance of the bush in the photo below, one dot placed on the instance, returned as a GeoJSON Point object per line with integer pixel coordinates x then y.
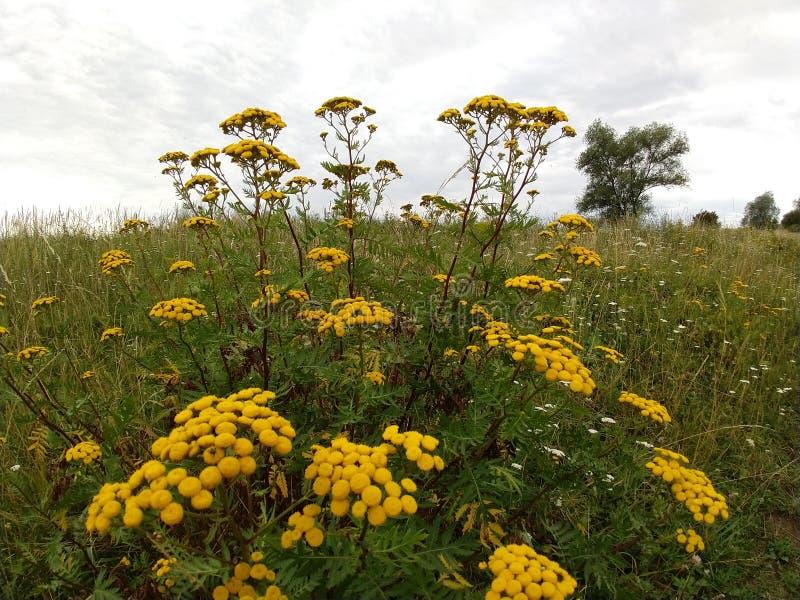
{"type": "Point", "coordinates": [706, 218]}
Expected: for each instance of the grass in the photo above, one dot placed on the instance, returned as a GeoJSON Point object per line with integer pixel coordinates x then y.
{"type": "Point", "coordinates": [707, 321]}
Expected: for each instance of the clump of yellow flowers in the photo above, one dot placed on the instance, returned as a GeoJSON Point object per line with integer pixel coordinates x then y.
{"type": "Point", "coordinates": [32, 352]}
{"type": "Point", "coordinates": [182, 310]}
{"type": "Point", "coordinates": [111, 332]}
{"type": "Point", "coordinates": [219, 431]}
{"type": "Point", "coordinates": [375, 377]}
{"type": "Point", "coordinates": [112, 260]}
{"type": "Point", "coordinates": [254, 570]}
{"type": "Point", "coordinates": [350, 312]}
{"type": "Point", "coordinates": [85, 451]}
{"type": "Point", "coordinates": [610, 353]}
{"type": "Point", "coordinates": [690, 540]}
{"type": "Point", "coordinates": [268, 296]}
{"type": "Point", "coordinates": [133, 225]}
{"type": "Point", "coordinates": [690, 486]}
{"type": "Point", "coordinates": [199, 223]}
{"type": "Point", "coordinates": [327, 258]}
{"type": "Point", "coordinates": [181, 265]}
{"type": "Point", "coordinates": [43, 301]}
{"type": "Point", "coordinates": [533, 283]}
{"type": "Point", "coordinates": [521, 573]}
{"type": "Point", "coordinates": [649, 408]}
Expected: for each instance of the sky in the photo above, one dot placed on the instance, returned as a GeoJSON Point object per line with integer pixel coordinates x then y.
{"type": "Point", "coordinates": [93, 92]}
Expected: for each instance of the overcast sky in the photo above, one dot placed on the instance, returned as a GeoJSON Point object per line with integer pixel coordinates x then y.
{"type": "Point", "coordinates": [94, 92]}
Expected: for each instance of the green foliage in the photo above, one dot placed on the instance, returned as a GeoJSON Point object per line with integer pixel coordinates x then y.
{"type": "Point", "coordinates": [761, 213]}
{"type": "Point", "coordinates": [701, 326]}
{"type": "Point", "coordinates": [791, 220]}
{"type": "Point", "coordinates": [622, 170]}
{"type": "Point", "coordinates": [706, 218]}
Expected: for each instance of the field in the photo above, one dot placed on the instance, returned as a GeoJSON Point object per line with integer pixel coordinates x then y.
{"type": "Point", "coordinates": [448, 403]}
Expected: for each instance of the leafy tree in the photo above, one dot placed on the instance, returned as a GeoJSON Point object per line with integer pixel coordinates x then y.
{"type": "Point", "coordinates": [623, 169]}
{"type": "Point", "coordinates": [791, 220]}
{"type": "Point", "coordinates": [706, 218]}
{"type": "Point", "coordinates": [761, 213]}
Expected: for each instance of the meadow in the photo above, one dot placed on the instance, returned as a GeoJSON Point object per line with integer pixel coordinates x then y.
{"type": "Point", "coordinates": [246, 400]}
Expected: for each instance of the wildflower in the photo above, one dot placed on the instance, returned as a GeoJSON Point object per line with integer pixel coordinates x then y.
{"type": "Point", "coordinates": [3, 330]}
{"type": "Point", "coordinates": [543, 256]}
{"type": "Point", "coordinates": [204, 157]}
{"type": "Point", "coordinates": [88, 374]}
{"type": "Point", "coordinates": [328, 258]}
{"type": "Point", "coordinates": [350, 312]}
{"type": "Point", "coordinates": [262, 273]}
{"type": "Point", "coordinates": [244, 152]}
{"type": "Point", "coordinates": [584, 256]}
{"type": "Point", "coordinates": [112, 260]}
{"type": "Point", "coordinates": [299, 296]}
{"type": "Point", "coordinates": [199, 223]}
{"type": "Point", "coordinates": [698, 250]}
{"type": "Point", "coordinates": [692, 487]}
{"type": "Point", "coordinates": [133, 225]}
{"type": "Point", "coordinates": [340, 105]}
{"type": "Point", "coordinates": [375, 377]}
{"type": "Point", "coordinates": [649, 408]}
{"type": "Point", "coordinates": [610, 353]}
{"type": "Point", "coordinates": [181, 265]}
{"type": "Point", "coordinates": [450, 352]}
{"type": "Point", "coordinates": [267, 296]}
{"type": "Point", "coordinates": [533, 283]}
{"type": "Point", "coordinates": [182, 310]}
{"type": "Point", "coordinates": [86, 451]}
{"type": "Point", "coordinates": [110, 333]}
{"type": "Point", "coordinates": [441, 278]}
{"type": "Point", "coordinates": [256, 121]}
{"type": "Point", "coordinates": [3, 297]}
{"type": "Point", "coordinates": [690, 540]}
{"type": "Point", "coordinates": [32, 352]}
{"type": "Point", "coordinates": [346, 223]}
{"type": "Point", "coordinates": [576, 222]}
{"type": "Point", "coordinates": [416, 220]}
{"type": "Point", "coordinates": [519, 571]}
{"type": "Point", "coordinates": [43, 301]}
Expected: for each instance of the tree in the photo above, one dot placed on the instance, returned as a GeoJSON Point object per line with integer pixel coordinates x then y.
{"type": "Point", "coordinates": [791, 220]}
{"type": "Point", "coordinates": [706, 218]}
{"type": "Point", "coordinates": [622, 170]}
{"type": "Point", "coordinates": [761, 213]}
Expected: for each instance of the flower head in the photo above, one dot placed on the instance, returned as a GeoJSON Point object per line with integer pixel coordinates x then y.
{"type": "Point", "coordinates": [32, 352]}
{"type": "Point", "coordinates": [111, 260]}
{"type": "Point", "coordinates": [182, 310]}
{"type": "Point", "coordinates": [199, 223]}
{"type": "Point", "coordinates": [519, 571]}
{"type": "Point", "coordinates": [110, 333]}
{"type": "Point", "coordinates": [85, 451]}
{"type": "Point", "coordinates": [328, 258]}
{"type": "Point", "coordinates": [649, 408]}
{"type": "Point", "coordinates": [44, 301]}
{"type": "Point", "coordinates": [133, 225]}
{"type": "Point", "coordinates": [181, 266]}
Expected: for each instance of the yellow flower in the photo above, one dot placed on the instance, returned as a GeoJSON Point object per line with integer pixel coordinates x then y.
{"type": "Point", "coordinates": [182, 310]}
{"type": "Point", "coordinates": [690, 540]}
{"type": "Point", "coordinates": [649, 408]}
{"type": "Point", "coordinates": [346, 223]}
{"type": "Point", "coordinates": [610, 353]}
{"type": "Point", "coordinates": [85, 451]}
{"type": "Point", "coordinates": [181, 265]}
{"type": "Point", "coordinates": [258, 122]}
{"type": "Point", "coordinates": [518, 567]}
{"type": "Point", "coordinates": [328, 258]}
{"type": "Point", "coordinates": [111, 332]}
{"type": "Point", "coordinates": [3, 330]}
{"type": "Point", "coordinates": [44, 301]}
{"type": "Point", "coordinates": [172, 513]}
{"type": "Point", "coordinates": [88, 374]}
{"type": "Point", "coordinates": [533, 283]}
{"type": "Point", "coordinates": [133, 225]}
{"type": "Point", "coordinates": [375, 377]}
{"type": "Point", "coordinates": [112, 260]}
{"type": "Point", "coordinates": [31, 352]}
{"type": "Point", "coordinates": [199, 223]}
{"type": "Point", "coordinates": [298, 296]}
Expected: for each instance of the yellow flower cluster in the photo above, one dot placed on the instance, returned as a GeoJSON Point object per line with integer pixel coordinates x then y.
{"type": "Point", "coordinates": [690, 486]}
{"type": "Point", "coordinates": [340, 105]}
{"type": "Point", "coordinates": [520, 573]}
{"type": "Point", "coordinates": [388, 167]}
{"type": "Point", "coordinates": [111, 332]}
{"type": "Point", "coordinates": [85, 451]}
{"type": "Point", "coordinates": [349, 312]}
{"type": "Point", "coordinates": [414, 443]}
{"type": "Point", "coordinates": [610, 353]}
{"type": "Point", "coordinates": [209, 428]}
{"type": "Point", "coordinates": [271, 196]}
{"type": "Point", "coordinates": [649, 408]}
{"type": "Point", "coordinates": [690, 540]}
{"type": "Point", "coordinates": [245, 151]}
{"type": "Point", "coordinates": [304, 525]}
{"type": "Point", "coordinates": [544, 256]}
{"type": "Point", "coordinates": [162, 567]}
{"type": "Point", "coordinates": [298, 296]}
{"type": "Point", "coordinates": [575, 222]}
{"type": "Point", "coordinates": [440, 277]}
{"type": "Point", "coordinates": [416, 220]}
{"type": "Point", "coordinates": [584, 256]}
{"type": "Point", "coordinates": [551, 357]}
{"type": "Point", "coordinates": [173, 157]}
{"type": "Point", "coordinates": [268, 296]}
{"type": "Point", "coordinates": [301, 181]}
{"type": "Point", "coordinates": [260, 121]}
{"type": "Point", "coordinates": [133, 225]}
{"type": "Point", "coordinates": [3, 330]}
{"type": "Point", "coordinates": [555, 323]}
{"type": "Point", "coordinates": [111, 260]}
{"type": "Point", "coordinates": [375, 377]}
{"type": "Point", "coordinates": [32, 352]}
{"type": "Point", "coordinates": [533, 283]}
{"type": "Point", "coordinates": [88, 374]}
{"type": "Point", "coordinates": [243, 572]}
{"type": "Point", "coordinates": [204, 156]}
{"type": "Point", "coordinates": [181, 265]}
{"type": "Point", "coordinates": [346, 223]}
{"type": "Point", "coordinates": [44, 301]}
{"type": "Point", "coordinates": [2, 298]}
{"type": "Point", "coordinates": [699, 250]}
{"type": "Point", "coordinates": [201, 180]}
{"type": "Point", "coordinates": [327, 258]}
{"type": "Point", "coordinates": [199, 223]}
{"type": "Point", "coordinates": [182, 310]}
